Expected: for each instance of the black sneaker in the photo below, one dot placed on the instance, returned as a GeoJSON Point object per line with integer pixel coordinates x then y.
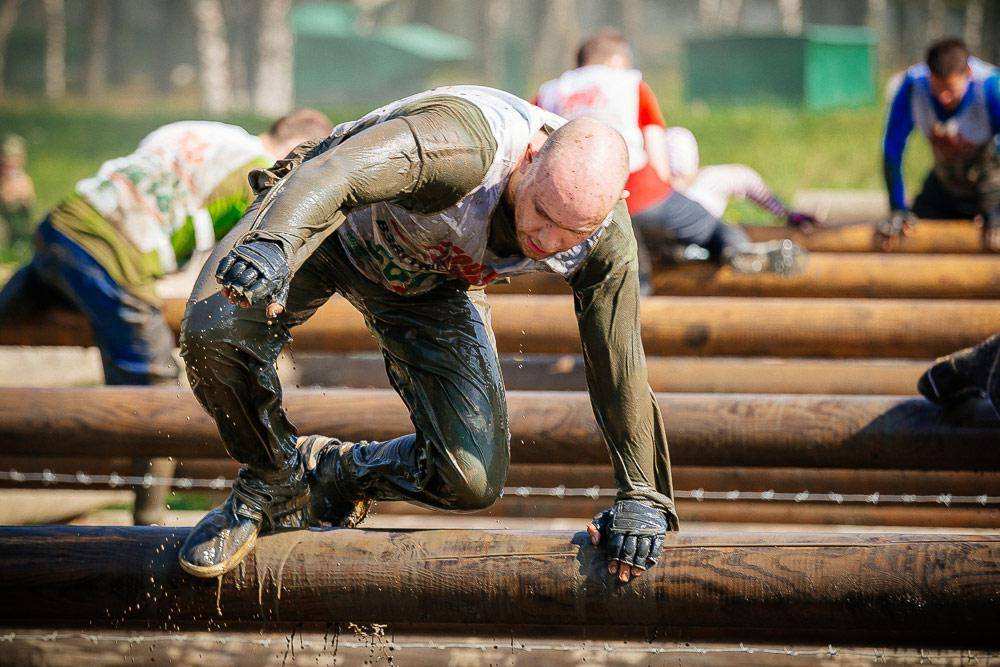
{"type": "Point", "coordinates": [227, 534]}
{"type": "Point", "coordinates": [333, 503]}
{"type": "Point", "coordinates": [969, 373]}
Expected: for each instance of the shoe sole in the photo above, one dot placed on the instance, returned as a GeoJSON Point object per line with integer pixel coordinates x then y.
{"type": "Point", "coordinates": [223, 567]}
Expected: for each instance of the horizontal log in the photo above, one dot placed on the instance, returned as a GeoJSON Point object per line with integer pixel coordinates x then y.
{"type": "Point", "coordinates": [26, 506]}
{"type": "Point", "coordinates": [565, 372]}
{"type": "Point", "coordinates": [576, 475]}
{"type": "Point", "coordinates": [929, 236]}
{"type": "Point", "coordinates": [233, 649]}
{"type": "Point", "coordinates": [829, 275]}
{"type": "Point", "coordinates": [930, 589]}
{"type": "Point", "coordinates": [671, 326]}
{"type": "Point", "coordinates": [546, 427]}
{"type": "Point", "coordinates": [744, 511]}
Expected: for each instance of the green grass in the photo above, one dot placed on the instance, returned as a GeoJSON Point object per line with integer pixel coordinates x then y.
{"type": "Point", "coordinates": [790, 148]}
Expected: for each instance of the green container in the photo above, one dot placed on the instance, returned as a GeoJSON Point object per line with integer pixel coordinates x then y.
{"type": "Point", "coordinates": [824, 67]}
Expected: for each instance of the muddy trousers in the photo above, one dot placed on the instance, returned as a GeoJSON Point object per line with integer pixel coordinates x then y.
{"type": "Point", "coordinates": [135, 342]}
{"type": "Point", "coordinates": [440, 358]}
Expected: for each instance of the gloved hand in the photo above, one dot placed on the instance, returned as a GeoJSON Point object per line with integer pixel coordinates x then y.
{"type": "Point", "coordinates": [632, 533]}
{"type": "Point", "coordinates": [803, 222]}
{"type": "Point", "coordinates": [255, 274]}
{"type": "Point", "coordinates": [888, 233]}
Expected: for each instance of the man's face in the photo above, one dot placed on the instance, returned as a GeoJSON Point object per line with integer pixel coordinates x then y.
{"type": "Point", "coordinates": [949, 90]}
{"type": "Point", "coordinates": [543, 226]}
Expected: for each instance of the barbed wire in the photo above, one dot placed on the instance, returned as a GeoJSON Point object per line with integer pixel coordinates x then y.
{"type": "Point", "coordinates": [508, 644]}
{"type": "Point", "coordinates": [115, 480]}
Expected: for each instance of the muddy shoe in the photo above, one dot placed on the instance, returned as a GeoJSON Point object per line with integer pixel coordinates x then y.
{"type": "Point", "coordinates": [228, 533]}
{"type": "Point", "coordinates": [968, 373]}
{"type": "Point", "coordinates": [784, 258]}
{"type": "Point", "coordinates": [333, 503]}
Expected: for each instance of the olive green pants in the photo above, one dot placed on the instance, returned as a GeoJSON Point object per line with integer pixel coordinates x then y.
{"type": "Point", "coordinates": [440, 357]}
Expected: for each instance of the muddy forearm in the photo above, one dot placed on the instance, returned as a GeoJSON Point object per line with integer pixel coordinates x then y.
{"type": "Point", "coordinates": [607, 303]}
{"type": "Point", "coordinates": [379, 164]}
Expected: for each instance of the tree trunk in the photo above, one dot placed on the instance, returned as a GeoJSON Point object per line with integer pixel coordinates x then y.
{"type": "Point", "coordinates": [97, 64]}
{"type": "Point", "coordinates": [494, 58]}
{"type": "Point", "coordinates": [55, 49]}
{"type": "Point", "coordinates": [936, 11]}
{"type": "Point", "coordinates": [791, 16]}
{"type": "Point", "coordinates": [730, 12]}
{"type": "Point", "coordinates": [557, 38]}
{"type": "Point", "coordinates": [213, 54]}
{"type": "Point", "coordinates": [974, 25]}
{"type": "Point", "coordinates": [274, 88]}
{"type": "Point", "coordinates": [878, 22]}
{"type": "Point", "coordinates": [8, 17]}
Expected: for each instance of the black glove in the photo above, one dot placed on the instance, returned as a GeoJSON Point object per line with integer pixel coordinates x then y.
{"type": "Point", "coordinates": [803, 222]}
{"type": "Point", "coordinates": [889, 232]}
{"type": "Point", "coordinates": [633, 534]}
{"type": "Point", "coordinates": [255, 274]}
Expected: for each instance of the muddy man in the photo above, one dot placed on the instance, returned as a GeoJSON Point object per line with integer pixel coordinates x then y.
{"type": "Point", "coordinates": [408, 213]}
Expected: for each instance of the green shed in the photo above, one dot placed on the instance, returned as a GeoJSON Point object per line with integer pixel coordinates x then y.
{"type": "Point", "coordinates": [824, 67]}
{"type": "Point", "coordinates": [339, 61]}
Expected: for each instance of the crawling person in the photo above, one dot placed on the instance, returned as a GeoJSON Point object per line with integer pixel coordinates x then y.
{"type": "Point", "coordinates": [970, 373]}
{"type": "Point", "coordinates": [605, 86]}
{"type": "Point", "coordinates": [953, 99]}
{"type": "Point", "coordinates": [715, 186]}
{"type": "Point", "coordinates": [408, 213]}
{"type": "Point", "coordinates": [142, 217]}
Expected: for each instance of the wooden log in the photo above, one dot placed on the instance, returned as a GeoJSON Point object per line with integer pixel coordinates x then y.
{"type": "Point", "coordinates": [830, 275]}
{"type": "Point", "coordinates": [930, 589]}
{"type": "Point", "coordinates": [784, 480]}
{"type": "Point", "coordinates": [363, 647]}
{"type": "Point", "coordinates": [565, 372]}
{"type": "Point", "coordinates": [671, 326]}
{"type": "Point", "coordinates": [546, 427]}
{"type": "Point", "coordinates": [929, 236]}
{"type": "Point", "coordinates": [28, 506]}
{"type": "Point", "coordinates": [743, 511]}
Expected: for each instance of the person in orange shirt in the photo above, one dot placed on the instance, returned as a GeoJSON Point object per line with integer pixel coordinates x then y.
{"type": "Point", "coordinates": [607, 87]}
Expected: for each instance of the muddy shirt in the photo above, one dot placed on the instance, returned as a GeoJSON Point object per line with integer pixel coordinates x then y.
{"type": "Point", "coordinates": [182, 188]}
{"type": "Point", "coordinates": [414, 192]}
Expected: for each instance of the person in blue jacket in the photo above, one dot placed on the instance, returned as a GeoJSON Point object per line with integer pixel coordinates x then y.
{"type": "Point", "coordinates": [954, 100]}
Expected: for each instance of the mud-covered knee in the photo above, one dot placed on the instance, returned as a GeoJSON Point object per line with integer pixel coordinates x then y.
{"type": "Point", "coordinates": [478, 485]}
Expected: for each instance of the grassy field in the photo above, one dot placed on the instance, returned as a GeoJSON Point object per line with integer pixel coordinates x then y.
{"type": "Point", "coordinates": [792, 149]}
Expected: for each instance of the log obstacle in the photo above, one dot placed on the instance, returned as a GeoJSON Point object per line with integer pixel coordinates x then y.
{"type": "Point", "coordinates": [927, 515]}
{"type": "Point", "coordinates": [234, 649]}
{"type": "Point", "coordinates": [882, 588]}
{"type": "Point", "coordinates": [565, 372]}
{"type": "Point", "coordinates": [671, 326]}
{"type": "Point", "coordinates": [929, 236]}
{"type": "Point", "coordinates": [829, 275]}
{"type": "Point", "coordinates": [719, 430]}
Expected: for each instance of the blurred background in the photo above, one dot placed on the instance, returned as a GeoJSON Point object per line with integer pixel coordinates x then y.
{"type": "Point", "coordinates": [791, 87]}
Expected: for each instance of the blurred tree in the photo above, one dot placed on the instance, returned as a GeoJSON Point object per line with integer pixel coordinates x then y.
{"type": "Point", "coordinates": [55, 49]}
{"type": "Point", "coordinates": [496, 26]}
{"type": "Point", "coordinates": [8, 17]}
{"type": "Point", "coordinates": [556, 41]}
{"type": "Point", "coordinates": [274, 88]}
{"type": "Point", "coordinates": [213, 56]}
{"type": "Point", "coordinates": [936, 14]}
{"type": "Point", "coordinates": [973, 31]}
{"type": "Point", "coordinates": [97, 62]}
{"type": "Point", "coordinates": [791, 15]}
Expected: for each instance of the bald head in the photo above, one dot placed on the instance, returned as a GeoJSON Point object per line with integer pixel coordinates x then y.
{"type": "Point", "coordinates": [571, 185]}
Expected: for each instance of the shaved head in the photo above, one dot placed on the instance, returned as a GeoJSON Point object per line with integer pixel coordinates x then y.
{"type": "Point", "coordinates": [574, 181]}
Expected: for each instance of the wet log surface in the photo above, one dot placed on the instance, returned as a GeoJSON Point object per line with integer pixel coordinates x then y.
{"type": "Point", "coordinates": [929, 589]}
{"type": "Point", "coordinates": [826, 275]}
{"type": "Point", "coordinates": [565, 372]}
{"type": "Point", "coordinates": [671, 326]}
{"type": "Point", "coordinates": [546, 427]}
